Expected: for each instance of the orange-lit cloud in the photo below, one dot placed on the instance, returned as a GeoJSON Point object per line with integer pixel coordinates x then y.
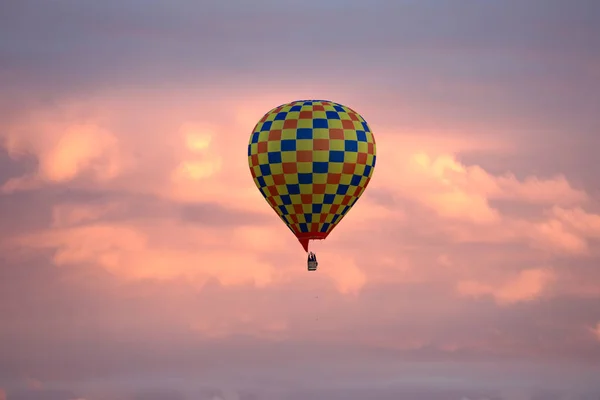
{"type": "Point", "coordinates": [596, 331]}
{"type": "Point", "coordinates": [526, 286]}
{"type": "Point", "coordinates": [199, 164]}
{"type": "Point", "coordinates": [134, 251]}
{"type": "Point", "coordinates": [64, 153]}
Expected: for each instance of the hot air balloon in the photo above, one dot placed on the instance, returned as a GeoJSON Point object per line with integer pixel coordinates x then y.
{"type": "Point", "coordinates": [311, 161]}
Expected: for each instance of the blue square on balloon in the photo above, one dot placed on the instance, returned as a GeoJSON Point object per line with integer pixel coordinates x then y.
{"type": "Point", "coordinates": [288, 145]}
{"type": "Point", "coordinates": [339, 108]}
{"type": "Point", "coordinates": [266, 126]}
{"type": "Point", "coordinates": [335, 218]}
{"type": "Point", "coordinates": [265, 170]}
{"type": "Point", "coordinates": [365, 126]}
{"type": "Point", "coordinates": [361, 136]}
{"type": "Point", "coordinates": [325, 227]}
{"type": "Point", "coordinates": [308, 218]}
{"type": "Point", "coordinates": [351, 145]}
{"type": "Point", "coordinates": [367, 170]}
{"type": "Point", "coordinates": [336, 156]}
{"type": "Point", "coordinates": [261, 181]}
{"type": "Point", "coordinates": [305, 179]}
{"type": "Point", "coordinates": [320, 167]}
{"type": "Point", "coordinates": [249, 150]}
{"type": "Point", "coordinates": [320, 123]}
{"type": "Point", "coordinates": [283, 210]}
{"type": "Point", "coordinates": [274, 157]}
{"type": "Point", "coordinates": [296, 108]}
{"type": "Point", "coordinates": [374, 159]}
{"type": "Point", "coordinates": [286, 199]}
{"type": "Point", "coordinates": [293, 188]}
{"type": "Point", "coordinates": [255, 137]}
{"type": "Point", "coordinates": [342, 189]}
{"type": "Point", "coordinates": [328, 198]}
{"type": "Point", "coordinates": [280, 116]}
{"type": "Point", "coordinates": [303, 227]}
{"type": "Point", "coordinates": [304, 133]}
{"type": "Point", "coordinates": [332, 115]}
{"type": "Point", "coordinates": [317, 208]}
{"type": "Point", "coordinates": [355, 180]}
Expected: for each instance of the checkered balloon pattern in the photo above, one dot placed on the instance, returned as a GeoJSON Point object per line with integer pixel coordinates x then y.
{"type": "Point", "coordinates": [311, 160]}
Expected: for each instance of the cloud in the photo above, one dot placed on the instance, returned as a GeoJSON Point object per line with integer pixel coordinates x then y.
{"type": "Point", "coordinates": [159, 395]}
{"type": "Point", "coordinates": [41, 394]}
{"type": "Point", "coordinates": [454, 190]}
{"type": "Point", "coordinates": [196, 166]}
{"type": "Point", "coordinates": [528, 285]}
{"type": "Point", "coordinates": [137, 254]}
{"type": "Point", "coordinates": [596, 331]}
{"type": "Point", "coordinates": [472, 204]}
{"type": "Point", "coordinates": [64, 154]}
{"type": "Point", "coordinates": [566, 230]}
{"type": "Point", "coordinates": [578, 220]}
{"type": "Point", "coordinates": [35, 384]}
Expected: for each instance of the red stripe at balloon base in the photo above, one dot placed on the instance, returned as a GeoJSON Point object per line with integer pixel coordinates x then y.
{"type": "Point", "coordinates": [305, 237]}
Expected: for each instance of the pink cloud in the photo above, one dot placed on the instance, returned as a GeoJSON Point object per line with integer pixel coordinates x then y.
{"type": "Point", "coordinates": [596, 331]}
{"type": "Point", "coordinates": [134, 252]}
{"type": "Point", "coordinates": [65, 153]}
{"type": "Point", "coordinates": [578, 220]}
{"type": "Point", "coordinates": [552, 236]}
{"type": "Point", "coordinates": [526, 286]}
{"type": "Point", "coordinates": [566, 230]}
{"type": "Point", "coordinates": [455, 190]}
{"type": "Point", "coordinates": [106, 143]}
{"type": "Point", "coordinates": [35, 384]}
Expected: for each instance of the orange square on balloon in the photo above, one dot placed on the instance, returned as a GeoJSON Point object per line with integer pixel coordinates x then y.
{"type": "Point", "coordinates": [289, 168]}
{"type": "Point", "coordinates": [348, 168]}
{"type": "Point", "coordinates": [333, 179]}
{"type": "Point", "coordinates": [279, 179]}
{"type": "Point", "coordinates": [275, 134]}
{"type": "Point", "coordinates": [290, 124]}
{"type": "Point", "coordinates": [347, 124]}
{"type": "Point", "coordinates": [335, 133]}
{"type": "Point", "coordinates": [304, 156]}
{"type": "Point", "coordinates": [319, 188]}
{"type": "Point", "coordinates": [361, 158]}
{"type": "Point", "coordinates": [320, 144]}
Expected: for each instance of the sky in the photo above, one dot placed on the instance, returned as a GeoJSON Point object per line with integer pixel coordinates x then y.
{"type": "Point", "coordinates": [138, 261]}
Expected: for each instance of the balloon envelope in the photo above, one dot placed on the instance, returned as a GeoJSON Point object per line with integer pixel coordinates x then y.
{"type": "Point", "coordinates": [311, 161]}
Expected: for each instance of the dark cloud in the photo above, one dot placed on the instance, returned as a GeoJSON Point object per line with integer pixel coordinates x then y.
{"type": "Point", "coordinates": [32, 210]}
{"type": "Point", "coordinates": [42, 394]}
{"type": "Point", "coordinates": [159, 394]}
{"type": "Point", "coordinates": [492, 42]}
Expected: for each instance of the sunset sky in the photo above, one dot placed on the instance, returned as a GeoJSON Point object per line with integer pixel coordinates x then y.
{"type": "Point", "coordinates": [138, 260]}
